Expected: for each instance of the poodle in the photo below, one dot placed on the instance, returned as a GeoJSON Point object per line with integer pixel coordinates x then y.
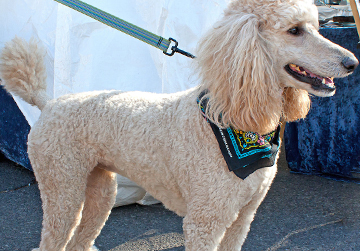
{"type": "Point", "coordinates": [256, 67]}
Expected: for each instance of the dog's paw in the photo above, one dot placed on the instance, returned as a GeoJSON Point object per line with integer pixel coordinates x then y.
{"type": "Point", "coordinates": [93, 248]}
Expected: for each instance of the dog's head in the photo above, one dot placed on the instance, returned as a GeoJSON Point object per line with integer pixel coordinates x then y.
{"type": "Point", "coordinates": [303, 58]}
{"type": "Point", "coordinates": [265, 56]}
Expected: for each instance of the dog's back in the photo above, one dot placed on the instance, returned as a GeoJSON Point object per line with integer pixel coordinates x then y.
{"type": "Point", "coordinates": [136, 134]}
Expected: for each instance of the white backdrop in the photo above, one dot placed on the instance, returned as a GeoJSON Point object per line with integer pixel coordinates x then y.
{"type": "Point", "coordinates": [84, 55]}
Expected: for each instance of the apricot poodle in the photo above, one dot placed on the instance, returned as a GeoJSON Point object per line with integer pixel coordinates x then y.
{"type": "Point", "coordinates": [256, 66]}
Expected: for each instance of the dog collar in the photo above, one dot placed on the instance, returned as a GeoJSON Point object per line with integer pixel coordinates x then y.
{"type": "Point", "coordinates": [244, 152]}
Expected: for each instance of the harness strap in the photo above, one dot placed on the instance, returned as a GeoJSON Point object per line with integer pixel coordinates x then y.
{"type": "Point", "coordinates": [126, 27]}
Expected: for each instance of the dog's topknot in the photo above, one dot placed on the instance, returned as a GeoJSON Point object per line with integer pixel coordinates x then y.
{"type": "Point", "coordinates": [276, 13]}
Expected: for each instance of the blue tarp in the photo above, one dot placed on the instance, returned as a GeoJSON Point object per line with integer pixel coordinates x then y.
{"type": "Point", "coordinates": [13, 131]}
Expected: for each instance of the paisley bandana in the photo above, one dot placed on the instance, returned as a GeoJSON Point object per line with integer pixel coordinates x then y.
{"type": "Point", "coordinates": [244, 152]}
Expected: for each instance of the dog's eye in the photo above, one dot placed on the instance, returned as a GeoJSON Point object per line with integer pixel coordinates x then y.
{"type": "Point", "coordinates": [294, 31]}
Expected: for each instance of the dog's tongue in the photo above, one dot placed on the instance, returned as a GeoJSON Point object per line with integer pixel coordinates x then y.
{"type": "Point", "coordinates": [329, 82]}
{"type": "Point", "coordinates": [324, 80]}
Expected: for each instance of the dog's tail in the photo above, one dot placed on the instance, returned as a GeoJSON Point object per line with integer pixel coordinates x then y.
{"type": "Point", "coordinates": [23, 72]}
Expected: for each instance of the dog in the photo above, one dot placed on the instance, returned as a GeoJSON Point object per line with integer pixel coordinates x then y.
{"type": "Point", "coordinates": [257, 66]}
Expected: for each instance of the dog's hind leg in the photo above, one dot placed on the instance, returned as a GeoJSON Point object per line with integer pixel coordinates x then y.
{"type": "Point", "coordinates": [62, 178]}
{"type": "Point", "coordinates": [63, 202]}
{"type": "Point", "coordinates": [100, 198]}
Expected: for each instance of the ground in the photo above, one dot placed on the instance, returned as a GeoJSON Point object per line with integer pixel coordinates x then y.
{"type": "Point", "coordinates": [301, 212]}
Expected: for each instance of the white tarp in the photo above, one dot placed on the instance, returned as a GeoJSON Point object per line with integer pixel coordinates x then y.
{"type": "Point", "coordinates": [84, 55]}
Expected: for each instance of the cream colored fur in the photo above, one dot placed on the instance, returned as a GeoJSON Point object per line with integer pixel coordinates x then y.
{"type": "Point", "coordinates": [161, 141]}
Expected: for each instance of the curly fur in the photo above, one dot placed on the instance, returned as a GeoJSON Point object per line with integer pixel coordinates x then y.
{"type": "Point", "coordinates": [242, 66]}
{"type": "Point", "coordinates": [161, 141]}
{"type": "Point", "coordinates": [25, 72]}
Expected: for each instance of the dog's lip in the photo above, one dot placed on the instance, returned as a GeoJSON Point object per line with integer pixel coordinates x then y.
{"type": "Point", "coordinates": [317, 82]}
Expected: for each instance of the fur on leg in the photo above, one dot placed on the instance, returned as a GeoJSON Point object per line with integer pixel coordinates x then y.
{"type": "Point", "coordinates": [100, 197]}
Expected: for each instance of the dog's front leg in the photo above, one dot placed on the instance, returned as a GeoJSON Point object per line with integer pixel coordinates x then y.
{"type": "Point", "coordinates": [202, 232]}
{"type": "Point", "coordinates": [206, 220]}
{"type": "Point", "coordinates": [236, 234]}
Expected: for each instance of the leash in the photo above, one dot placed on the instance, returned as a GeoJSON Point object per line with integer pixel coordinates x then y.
{"type": "Point", "coordinates": [126, 27]}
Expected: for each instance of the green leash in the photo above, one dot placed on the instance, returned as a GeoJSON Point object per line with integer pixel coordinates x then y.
{"type": "Point", "coordinates": [128, 28]}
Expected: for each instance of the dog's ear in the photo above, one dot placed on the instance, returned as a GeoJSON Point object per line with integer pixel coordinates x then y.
{"type": "Point", "coordinates": [236, 68]}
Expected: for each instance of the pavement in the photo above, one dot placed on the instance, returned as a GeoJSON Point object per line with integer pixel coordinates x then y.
{"type": "Point", "coordinates": [300, 213]}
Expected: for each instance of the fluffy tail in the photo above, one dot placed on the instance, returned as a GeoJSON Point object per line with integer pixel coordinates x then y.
{"type": "Point", "coordinates": [23, 72]}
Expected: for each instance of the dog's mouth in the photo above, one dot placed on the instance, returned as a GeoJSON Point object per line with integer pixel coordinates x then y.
{"type": "Point", "coordinates": [318, 83]}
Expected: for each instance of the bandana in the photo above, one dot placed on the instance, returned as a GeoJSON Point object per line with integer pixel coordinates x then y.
{"type": "Point", "coordinates": [244, 152]}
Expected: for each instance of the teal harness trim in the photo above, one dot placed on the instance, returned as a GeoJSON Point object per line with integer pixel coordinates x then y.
{"type": "Point", "coordinates": [126, 27]}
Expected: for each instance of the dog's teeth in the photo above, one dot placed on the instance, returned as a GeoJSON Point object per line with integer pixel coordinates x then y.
{"type": "Point", "coordinates": [304, 73]}
{"type": "Point", "coordinates": [324, 81]}
{"type": "Point", "coordinates": [332, 78]}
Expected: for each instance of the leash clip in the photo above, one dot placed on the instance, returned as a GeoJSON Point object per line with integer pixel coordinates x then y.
{"type": "Point", "coordinates": [176, 49]}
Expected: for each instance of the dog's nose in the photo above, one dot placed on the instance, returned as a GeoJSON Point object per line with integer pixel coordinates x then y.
{"type": "Point", "coordinates": [350, 63]}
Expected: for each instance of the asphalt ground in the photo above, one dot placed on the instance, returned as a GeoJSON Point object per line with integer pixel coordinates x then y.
{"type": "Point", "coordinates": [300, 212]}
